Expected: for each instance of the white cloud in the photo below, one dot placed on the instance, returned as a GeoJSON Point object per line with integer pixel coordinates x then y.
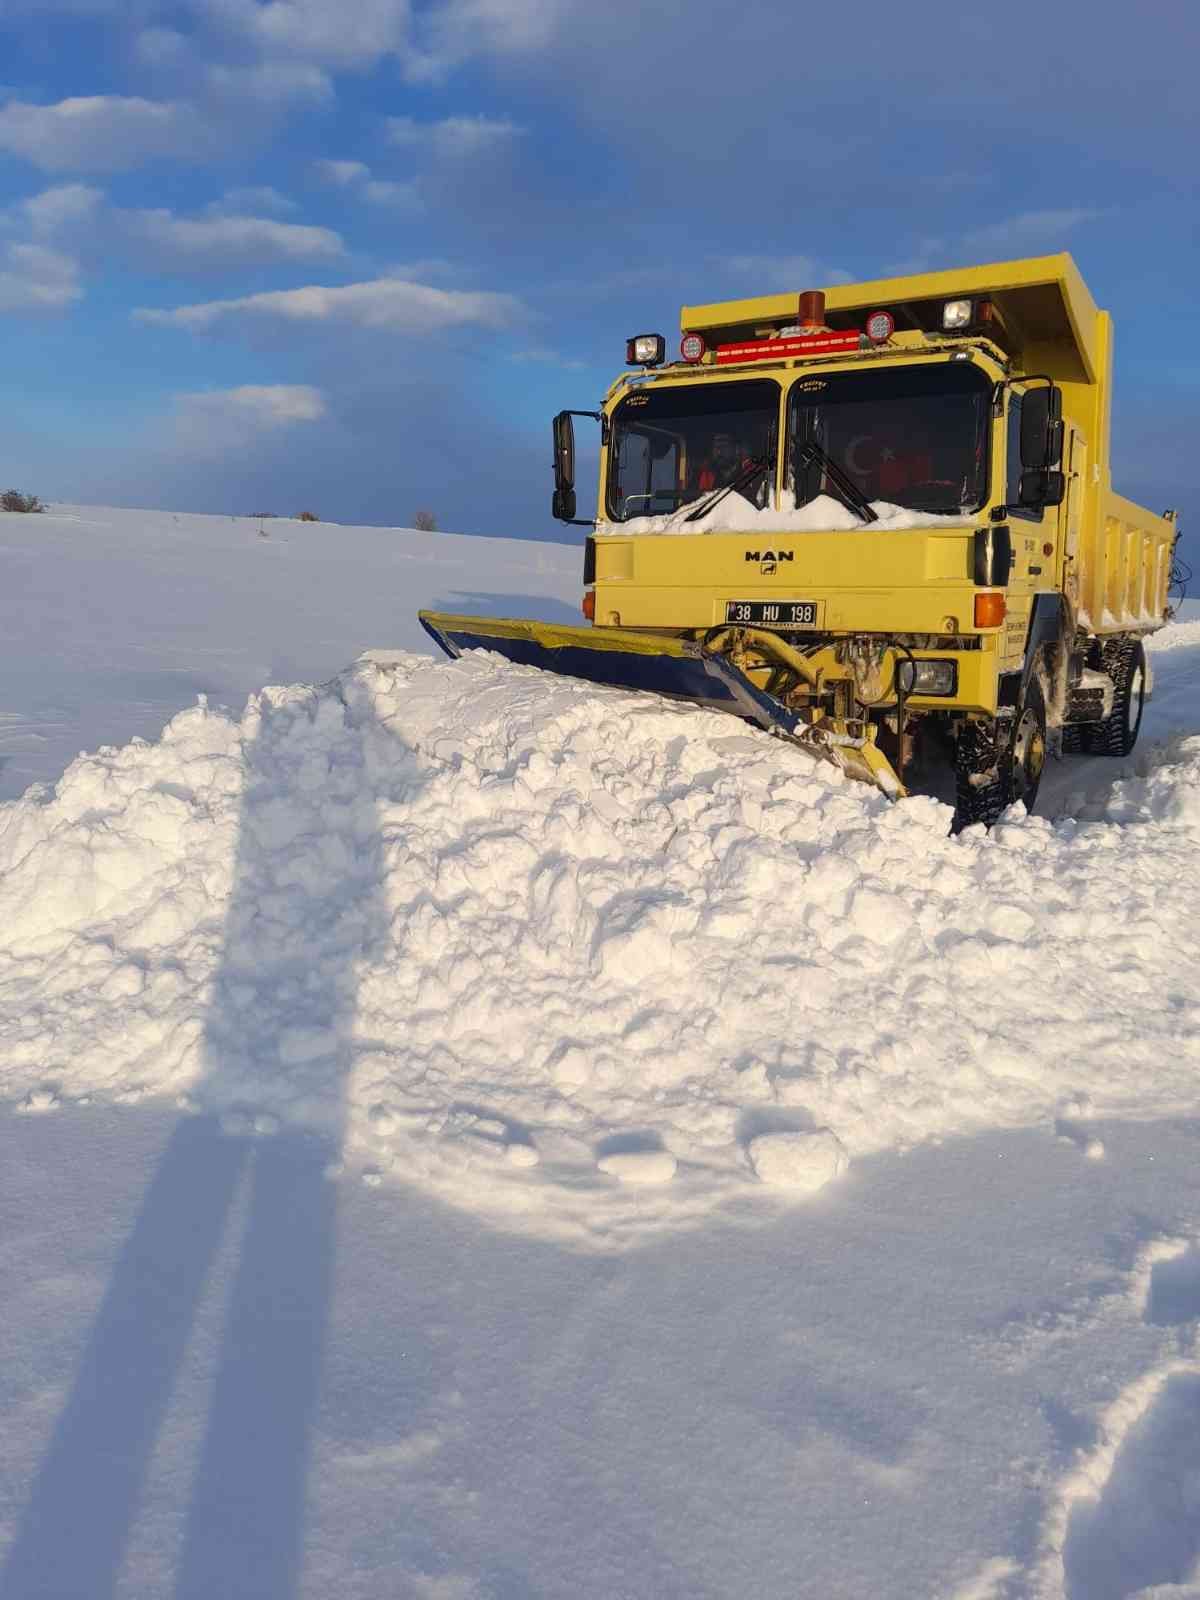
{"type": "Point", "coordinates": [161, 47]}
{"type": "Point", "coordinates": [453, 138]}
{"type": "Point", "coordinates": [770, 273]}
{"type": "Point", "coordinates": [36, 278]}
{"type": "Point", "coordinates": [270, 83]}
{"type": "Point", "coordinates": [356, 176]}
{"type": "Point", "coordinates": [229, 423]}
{"type": "Point", "coordinates": [388, 305]}
{"type": "Point", "coordinates": [251, 201]}
{"type": "Point", "coordinates": [459, 29]}
{"type": "Point", "coordinates": [189, 242]}
{"type": "Point", "coordinates": [426, 40]}
{"type": "Point", "coordinates": [78, 216]}
{"type": "Point", "coordinates": [100, 133]}
{"type": "Point", "coordinates": [425, 269]}
{"type": "Point", "coordinates": [385, 192]}
{"type": "Point", "coordinates": [67, 207]}
{"type": "Point", "coordinates": [1029, 231]}
{"type": "Point", "coordinates": [233, 106]}
{"type": "Point", "coordinates": [549, 358]}
{"type": "Point", "coordinates": [275, 405]}
{"type": "Point", "coordinates": [349, 34]}
{"type": "Point", "coordinates": [342, 173]}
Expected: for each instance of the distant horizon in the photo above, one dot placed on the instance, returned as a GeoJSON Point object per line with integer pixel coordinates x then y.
{"type": "Point", "coordinates": [563, 535]}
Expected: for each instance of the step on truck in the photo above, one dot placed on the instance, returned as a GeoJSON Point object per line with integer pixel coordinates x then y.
{"type": "Point", "coordinates": [876, 519]}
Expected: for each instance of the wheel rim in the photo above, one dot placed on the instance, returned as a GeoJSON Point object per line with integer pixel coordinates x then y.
{"type": "Point", "coordinates": [1028, 757]}
{"type": "Point", "coordinates": [1133, 705]}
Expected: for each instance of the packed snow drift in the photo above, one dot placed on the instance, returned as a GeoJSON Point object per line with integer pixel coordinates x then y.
{"type": "Point", "coordinates": [581, 956]}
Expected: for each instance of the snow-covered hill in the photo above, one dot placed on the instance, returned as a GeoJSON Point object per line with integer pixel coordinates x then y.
{"type": "Point", "coordinates": [116, 620]}
{"type": "Point", "coordinates": [741, 1186]}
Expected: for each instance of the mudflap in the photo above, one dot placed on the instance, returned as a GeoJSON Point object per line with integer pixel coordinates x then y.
{"type": "Point", "coordinates": [679, 669]}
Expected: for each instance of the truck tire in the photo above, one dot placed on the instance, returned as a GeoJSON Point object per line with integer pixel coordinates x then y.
{"type": "Point", "coordinates": [979, 793]}
{"type": "Point", "coordinates": [1125, 662]}
{"type": "Point", "coordinates": [991, 777]}
{"type": "Point", "coordinates": [1025, 758]}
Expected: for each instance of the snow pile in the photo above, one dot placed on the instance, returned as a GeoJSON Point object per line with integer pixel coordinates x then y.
{"type": "Point", "coordinates": [589, 958]}
{"type": "Point", "coordinates": [1165, 790]}
{"type": "Point", "coordinates": [801, 1161]}
{"type": "Point", "coordinates": [1179, 636]}
{"type": "Point", "coordinates": [733, 513]}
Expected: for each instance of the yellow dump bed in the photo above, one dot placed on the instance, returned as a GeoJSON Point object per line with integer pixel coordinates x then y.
{"type": "Point", "coordinates": [1123, 562]}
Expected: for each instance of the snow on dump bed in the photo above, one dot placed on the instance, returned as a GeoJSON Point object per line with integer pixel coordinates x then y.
{"type": "Point", "coordinates": [587, 957]}
{"type": "Point", "coordinates": [733, 513]}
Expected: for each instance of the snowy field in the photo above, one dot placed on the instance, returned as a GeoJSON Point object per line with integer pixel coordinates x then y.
{"type": "Point", "coordinates": [470, 1136]}
{"type": "Point", "coordinates": [116, 620]}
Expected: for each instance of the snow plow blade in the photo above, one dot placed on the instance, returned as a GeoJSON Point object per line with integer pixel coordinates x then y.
{"type": "Point", "coordinates": [679, 669]}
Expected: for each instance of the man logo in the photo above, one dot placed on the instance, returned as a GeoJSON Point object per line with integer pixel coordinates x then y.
{"type": "Point", "coordinates": [768, 560]}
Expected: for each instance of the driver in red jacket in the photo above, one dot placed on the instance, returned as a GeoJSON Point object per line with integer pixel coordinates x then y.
{"type": "Point", "coordinates": [721, 465]}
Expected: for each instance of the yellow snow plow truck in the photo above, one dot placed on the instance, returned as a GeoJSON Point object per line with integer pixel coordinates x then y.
{"type": "Point", "coordinates": [877, 520]}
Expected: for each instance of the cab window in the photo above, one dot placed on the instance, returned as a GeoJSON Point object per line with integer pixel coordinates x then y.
{"type": "Point", "coordinates": [673, 445]}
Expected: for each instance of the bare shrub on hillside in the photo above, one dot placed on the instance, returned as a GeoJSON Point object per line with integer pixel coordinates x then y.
{"type": "Point", "coordinates": [12, 500]}
{"type": "Point", "coordinates": [425, 522]}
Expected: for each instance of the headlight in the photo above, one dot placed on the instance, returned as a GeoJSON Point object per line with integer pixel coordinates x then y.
{"type": "Point", "coordinates": [956, 314]}
{"type": "Point", "coordinates": [928, 677]}
{"type": "Point", "coordinates": [645, 350]}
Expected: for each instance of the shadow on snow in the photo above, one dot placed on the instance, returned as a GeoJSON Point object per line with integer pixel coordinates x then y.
{"type": "Point", "coordinates": [298, 921]}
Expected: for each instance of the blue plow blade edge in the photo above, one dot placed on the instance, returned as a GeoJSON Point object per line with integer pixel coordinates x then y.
{"type": "Point", "coordinates": [620, 658]}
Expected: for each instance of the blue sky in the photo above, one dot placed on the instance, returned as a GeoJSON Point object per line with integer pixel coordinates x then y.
{"type": "Point", "coordinates": [352, 254]}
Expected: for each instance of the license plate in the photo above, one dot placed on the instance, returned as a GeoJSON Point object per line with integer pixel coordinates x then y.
{"type": "Point", "coordinates": [774, 613]}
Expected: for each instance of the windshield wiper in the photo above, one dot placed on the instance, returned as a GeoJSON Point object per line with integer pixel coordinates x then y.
{"type": "Point", "coordinates": [744, 475]}
{"type": "Point", "coordinates": [811, 454]}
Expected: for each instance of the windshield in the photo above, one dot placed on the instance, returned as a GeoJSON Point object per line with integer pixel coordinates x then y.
{"type": "Point", "coordinates": [673, 445]}
{"type": "Point", "coordinates": [915, 437]}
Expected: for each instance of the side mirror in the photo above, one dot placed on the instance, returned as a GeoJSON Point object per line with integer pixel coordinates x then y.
{"type": "Point", "coordinates": [1042, 486]}
{"type": "Point", "coordinates": [1041, 430]}
{"type": "Point", "coordinates": [562, 505]}
{"type": "Point", "coordinates": [564, 451]}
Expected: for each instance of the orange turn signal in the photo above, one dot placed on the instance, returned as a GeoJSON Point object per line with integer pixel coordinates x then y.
{"type": "Point", "coordinates": [589, 605]}
{"type": "Point", "coordinates": [989, 610]}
